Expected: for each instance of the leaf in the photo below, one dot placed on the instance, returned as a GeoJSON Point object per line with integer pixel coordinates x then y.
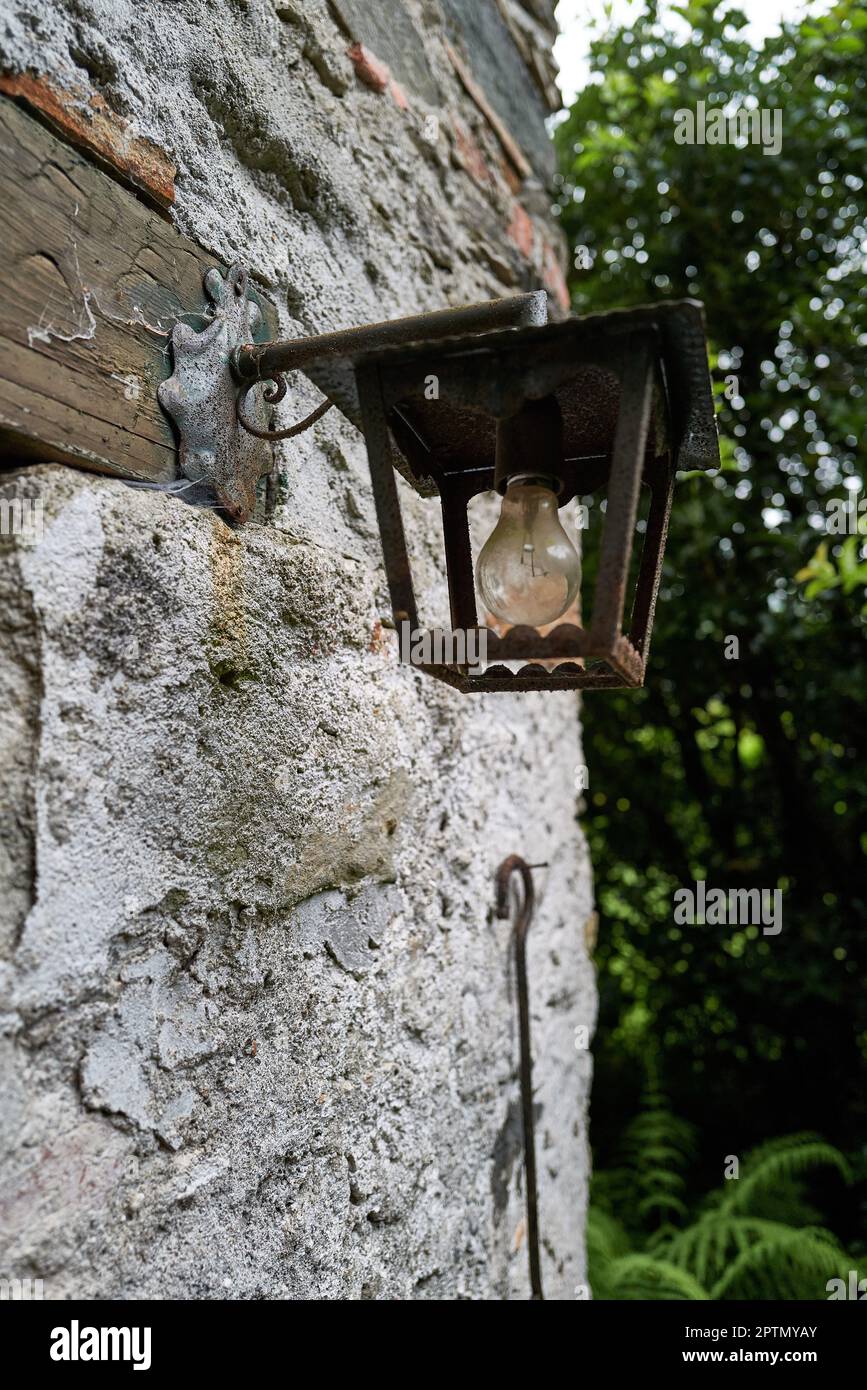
{"type": "Point", "coordinates": [847, 43]}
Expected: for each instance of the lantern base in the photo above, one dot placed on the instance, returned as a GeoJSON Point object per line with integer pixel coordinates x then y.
{"type": "Point", "coordinates": [567, 658]}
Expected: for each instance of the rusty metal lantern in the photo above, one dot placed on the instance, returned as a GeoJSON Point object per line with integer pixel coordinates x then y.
{"type": "Point", "coordinates": [622, 397]}
{"type": "Point", "coordinates": [599, 405]}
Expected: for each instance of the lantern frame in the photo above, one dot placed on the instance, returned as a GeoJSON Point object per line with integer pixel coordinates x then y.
{"type": "Point", "coordinates": [635, 393]}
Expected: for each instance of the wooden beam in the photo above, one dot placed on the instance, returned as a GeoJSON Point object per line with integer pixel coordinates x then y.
{"type": "Point", "coordinates": [91, 283]}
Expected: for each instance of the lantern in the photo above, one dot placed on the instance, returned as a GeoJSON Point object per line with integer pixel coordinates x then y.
{"type": "Point", "coordinates": [604, 405]}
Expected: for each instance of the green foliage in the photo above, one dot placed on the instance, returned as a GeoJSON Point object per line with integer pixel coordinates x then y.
{"type": "Point", "coordinates": [845, 570]}
{"type": "Point", "coordinates": [636, 1276]}
{"type": "Point", "coordinates": [756, 1237]}
{"type": "Point", "coordinates": [785, 1264]}
{"type": "Point", "coordinates": [777, 1167]}
{"type": "Point", "coordinates": [747, 772]}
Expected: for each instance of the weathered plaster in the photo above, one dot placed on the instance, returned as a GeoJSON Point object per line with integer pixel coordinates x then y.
{"type": "Point", "coordinates": [259, 1024]}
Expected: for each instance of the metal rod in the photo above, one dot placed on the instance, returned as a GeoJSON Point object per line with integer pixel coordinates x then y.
{"type": "Point", "coordinates": [292, 430]}
{"type": "Point", "coordinates": [385, 497]}
{"type": "Point", "coordinates": [509, 867]}
{"type": "Point", "coordinates": [627, 459]}
{"type": "Point", "coordinates": [454, 498]}
{"type": "Point", "coordinates": [650, 571]}
{"type": "Point", "coordinates": [262, 361]}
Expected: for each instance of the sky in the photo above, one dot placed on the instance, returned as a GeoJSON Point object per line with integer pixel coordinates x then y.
{"type": "Point", "coordinates": [571, 48]}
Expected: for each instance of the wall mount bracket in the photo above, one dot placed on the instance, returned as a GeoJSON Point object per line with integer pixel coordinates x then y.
{"type": "Point", "coordinates": [201, 397]}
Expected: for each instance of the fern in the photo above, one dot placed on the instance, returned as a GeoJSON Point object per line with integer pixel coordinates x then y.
{"type": "Point", "coordinates": [647, 1188]}
{"type": "Point", "coordinates": [607, 1242]}
{"type": "Point", "coordinates": [718, 1244]}
{"type": "Point", "coordinates": [647, 1277]}
{"type": "Point", "coordinates": [756, 1237]}
{"type": "Point", "coordinates": [782, 1162]}
{"type": "Point", "coordinates": [794, 1264]}
{"type": "Point", "coordinates": [661, 1206]}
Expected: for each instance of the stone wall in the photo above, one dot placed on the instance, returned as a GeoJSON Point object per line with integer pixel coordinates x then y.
{"type": "Point", "coordinates": [259, 1019]}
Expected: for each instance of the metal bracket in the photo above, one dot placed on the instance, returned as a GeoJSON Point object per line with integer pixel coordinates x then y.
{"type": "Point", "coordinates": [201, 397]}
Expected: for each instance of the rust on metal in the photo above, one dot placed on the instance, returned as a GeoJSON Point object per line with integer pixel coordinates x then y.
{"type": "Point", "coordinates": [511, 868]}
{"type": "Point", "coordinates": [624, 481]}
{"type": "Point", "coordinates": [264, 361]}
{"type": "Point", "coordinates": [655, 535]}
{"type": "Point", "coordinates": [386, 500]}
{"type": "Point", "coordinates": [272, 395]}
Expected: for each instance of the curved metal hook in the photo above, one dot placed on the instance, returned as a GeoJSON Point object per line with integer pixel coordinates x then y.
{"type": "Point", "coordinates": [272, 394]}
{"type": "Point", "coordinates": [510, 867]}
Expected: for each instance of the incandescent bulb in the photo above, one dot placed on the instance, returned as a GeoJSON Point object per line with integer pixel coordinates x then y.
{"type": "Point", "coordinates": [528, 570]}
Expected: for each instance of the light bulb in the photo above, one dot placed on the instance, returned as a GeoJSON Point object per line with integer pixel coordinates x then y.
{"type": "Point", "coordinates": [528, 570]}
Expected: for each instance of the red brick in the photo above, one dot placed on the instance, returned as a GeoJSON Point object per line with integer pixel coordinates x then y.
{"type": "Point", "coordinates": [376, 74]}
{"type": "Point", "coordinates": [554, 279]}
{"type": "Point", "coordinates": [469, 153]}
{"type": "Point", "coordinates": [522, 231]}
{"type": "Point", "coordinates": [513, 179]}
{"type": "Point", "coordinates": [86, 120]}
{"type": "Point", "coordinates": [370, 70]}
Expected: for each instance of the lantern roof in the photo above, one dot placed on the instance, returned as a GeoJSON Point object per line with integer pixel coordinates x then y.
{"type": "Point", "coordinates": [445, 397]}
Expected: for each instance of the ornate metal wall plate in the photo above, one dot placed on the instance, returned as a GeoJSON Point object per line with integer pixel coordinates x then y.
{"type": "Point", "coordinates": [201, 395]}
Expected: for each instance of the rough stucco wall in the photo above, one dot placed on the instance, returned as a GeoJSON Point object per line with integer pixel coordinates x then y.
{"type": "Point", "coordinates": [259, 1024]}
